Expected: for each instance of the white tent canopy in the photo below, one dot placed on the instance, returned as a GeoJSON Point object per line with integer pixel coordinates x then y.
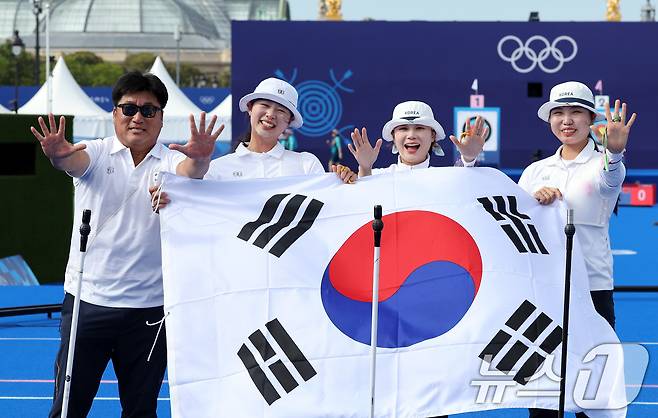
{"type": "Point", "coordinates": [179, 107]}
{"type": "Point", "coordinates": [223, 113]}
{"type": "Point", "coordinates": [90, 120]}
{"type": "Point", "coordinates": [224, 108]}
{"type": "Point", "coordinates": [4, 109]}
{"type": "Point", "coordinates": [178, 103]}
{"type": "Point", "coordinates": [67, 96]}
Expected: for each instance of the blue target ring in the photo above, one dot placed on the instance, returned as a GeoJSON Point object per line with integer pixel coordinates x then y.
{"type": "Point", "coordinates": [320, 107]}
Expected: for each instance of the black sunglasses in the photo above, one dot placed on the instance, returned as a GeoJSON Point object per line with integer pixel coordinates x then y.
{"type": "Point", "coordinates": [130, 109]}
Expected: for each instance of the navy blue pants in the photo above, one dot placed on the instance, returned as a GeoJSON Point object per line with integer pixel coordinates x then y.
{"type": "Point", "coordinates": [605, 306]}
{"type": "Point", "coordinates": [120, 335]}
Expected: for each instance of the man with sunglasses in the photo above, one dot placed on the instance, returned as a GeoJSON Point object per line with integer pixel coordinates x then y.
{"type": "Point", "coordinates": [122, 296]}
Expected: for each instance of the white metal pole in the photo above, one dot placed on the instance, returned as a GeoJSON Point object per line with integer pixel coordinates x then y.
{"type": "Point", "coordinates": [377, 226]}
{"type": "Point", "coordinates": [85, 229]}
{"type": "Point", "coordinates": [49, 92]}
{"type": "Point", "coordinates": [177, 38]}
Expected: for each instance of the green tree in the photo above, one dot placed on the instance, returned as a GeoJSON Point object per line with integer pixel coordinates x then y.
{"type": "Point", "coordinates": [141, 61]}
{"type": "Point", "coordinates": [224, 79]}
{"type": "Point", "coordinates": [144, 60]}
{"type": "Point", "coordinates": [89, 69]}
{"type": "Point", "coordinates": [8, 66]}
{"type": "Point", "coordinates": [84, 58]}
{"type": "Point", "coordinates": [187, 73]}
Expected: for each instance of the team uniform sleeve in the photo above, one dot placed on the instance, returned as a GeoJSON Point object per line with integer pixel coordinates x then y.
{"type": "Point", "coordinates": [93, 150]}
{"type": "Point", "coordinates": [173, 159]}
{"type": "Point", "coordinates": [311, 164]}
{"type": "Point", "coordinates": [462, 163]}
{"type": "Point", "coordinates": [213, 170]}
{"type": "Point", "coordinates": [610, 181]}
{"type": "Point", "coordinates": [526, 179]}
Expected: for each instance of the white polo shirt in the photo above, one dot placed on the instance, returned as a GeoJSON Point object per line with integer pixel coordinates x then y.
{"type": "Point", "coordinates": [123, 264]}
{"type": "Point", "coordinates": [592, 193]}
{"type": "Point", "coordinates": [277, 162]}
{"type": "Point", "coordinates": [400, 166]}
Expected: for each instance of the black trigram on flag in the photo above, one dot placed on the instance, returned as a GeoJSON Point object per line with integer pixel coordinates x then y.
{"type": "Point", "coordinates": [520, 232]}
{"type": "Point", "coordinates": [285, 220]}
{"type": "Point", "coordinates": [506, 353]}
{"type": "Point", "coordinates": [271, 361]}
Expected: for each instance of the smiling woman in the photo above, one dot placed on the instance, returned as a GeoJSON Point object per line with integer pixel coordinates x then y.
{"type": "Point", "coordinates": [587, 177]}
{"type": "Point", "coordinates": [267, 118]}
{"type": "Point", "coordinates": [414, 133]}
{"type": "Point", "coordinates": [272, 108]}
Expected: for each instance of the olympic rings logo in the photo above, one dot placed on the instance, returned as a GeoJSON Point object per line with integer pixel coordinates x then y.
{"type": "Point", "coordinates": [537, 58]}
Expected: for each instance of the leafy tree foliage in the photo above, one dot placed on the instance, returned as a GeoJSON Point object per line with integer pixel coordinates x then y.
{"type": "Point", "coordinates": [89, 69]}
{"type": "Point", "coordinates": [8, 66]}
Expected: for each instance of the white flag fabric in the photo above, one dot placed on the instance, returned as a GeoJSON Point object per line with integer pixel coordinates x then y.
{"type": "Point", "coordinates": [474, 85]}
{"type": "Point", "coordinates": [268, 289]}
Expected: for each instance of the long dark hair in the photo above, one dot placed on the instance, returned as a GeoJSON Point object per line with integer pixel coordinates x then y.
{"type": "Point", "coordinates": [244, 137]}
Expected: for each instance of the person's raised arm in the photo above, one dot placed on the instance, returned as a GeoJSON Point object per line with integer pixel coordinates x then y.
{"type": "Point", "coordinates": [363, 151]}
{"type": "Point", "coordinates": [199, 148]}
{"type": "Point", "coordinates": [617, 127]}
{"type": "Point", "coordinates": [617, 131]}
{"type": "Point", "coordinates": [62, 154]}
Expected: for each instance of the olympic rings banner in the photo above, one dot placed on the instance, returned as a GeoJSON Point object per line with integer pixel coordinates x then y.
{"type": "Point", "coordinates": [268, 300]}
{"type": "Point", "coordinates": [536, 51]}
{"type": "Point", "coordinates": [352, 74]}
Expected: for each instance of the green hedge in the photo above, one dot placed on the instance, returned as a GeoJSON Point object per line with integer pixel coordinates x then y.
{"type": "Point", "coordinates": [36, 208]}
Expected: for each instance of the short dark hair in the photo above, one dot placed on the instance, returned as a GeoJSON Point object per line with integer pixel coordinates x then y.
{"type": "Point", "coordinates": [135, 82]}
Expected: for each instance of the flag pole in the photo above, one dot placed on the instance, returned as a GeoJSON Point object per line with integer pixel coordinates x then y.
{"type": "Point", "coordinates": [49, 92]}
{"type": "Point", "coordinates": [569, 231]}
{"type": "Point", "coordinates": [377, 226]}
{"type": "Point", "coordinates": [85, 229]}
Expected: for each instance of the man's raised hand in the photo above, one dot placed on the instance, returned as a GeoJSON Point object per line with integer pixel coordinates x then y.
{"type": "Point", "coordinates": [52, 140]}
{"type": "Point", "coordinates": [201, 144]}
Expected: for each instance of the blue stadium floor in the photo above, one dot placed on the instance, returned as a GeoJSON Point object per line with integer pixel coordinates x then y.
{"type": "Point", "coordinates": [28, 344]}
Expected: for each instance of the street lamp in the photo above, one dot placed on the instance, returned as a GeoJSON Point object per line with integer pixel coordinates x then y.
{"type": "Point", "coordinates": [177, 38]}
{"type": "Point", "coordinates": [36, 9]}
{"type": "Point", "coordinates": [17, 46]}
{"type": "Point", "coordinates": [648, 13]}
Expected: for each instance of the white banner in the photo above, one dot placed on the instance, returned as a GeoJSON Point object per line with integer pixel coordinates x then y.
{"type": "Point", "coordinates": [268, 290]}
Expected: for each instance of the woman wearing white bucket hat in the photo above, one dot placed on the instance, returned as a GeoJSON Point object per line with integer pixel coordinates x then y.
{"type": "Point", "coordinates": [414, 133]}
{"type": "Point", "coordinates": [272, 108]}
{"type": "Point", "coordinates": [588, 178]}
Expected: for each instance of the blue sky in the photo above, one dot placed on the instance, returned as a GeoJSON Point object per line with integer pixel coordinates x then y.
{"type": "Point", "coordinates": [471, 10]}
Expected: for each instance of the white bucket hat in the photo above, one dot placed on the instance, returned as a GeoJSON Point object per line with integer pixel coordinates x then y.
{"type": "Point", "coordinates": [277, 91]}
{"type": "Point", "coordinates": [414, 113]}
{"type": "Point", "coordinates": [571, 93]}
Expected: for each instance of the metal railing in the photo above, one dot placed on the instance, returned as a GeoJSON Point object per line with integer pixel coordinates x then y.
{"type": "Point", "coordinates": [31, 310]}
